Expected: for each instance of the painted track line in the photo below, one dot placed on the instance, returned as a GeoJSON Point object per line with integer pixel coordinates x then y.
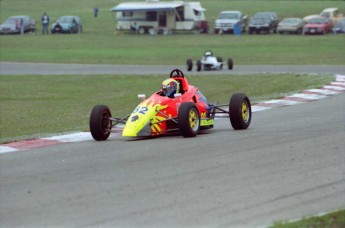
{"type": "Point", "coordinates": [336, 87]}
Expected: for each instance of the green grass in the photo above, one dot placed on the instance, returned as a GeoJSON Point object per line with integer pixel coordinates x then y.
{"type": "Point", "coordinates": [331, 220]}
{"type": "Point", "coordinates": [175, 49]}
{"type": "Point", "coordinates": [101, 44]}
{"type": "Point", "coordinates": [32, 106]}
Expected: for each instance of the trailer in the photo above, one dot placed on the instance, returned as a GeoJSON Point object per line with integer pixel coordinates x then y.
{"type": "Point", "coordinates": [152, 16]}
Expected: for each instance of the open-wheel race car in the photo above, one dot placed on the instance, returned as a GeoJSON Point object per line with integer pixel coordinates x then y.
{"type": "Point", "coordinates": [209, 62]}
{"type": "Point", "coordinates": [179, 108]}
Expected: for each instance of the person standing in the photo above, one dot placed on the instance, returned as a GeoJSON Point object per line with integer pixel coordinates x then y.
{"type": "Point", "coordinates": [18, 25]}
{"type": "Point", "coordinates": [21, 26]}
{"type": "Point", "coordinates": [95, 11]}
{"type": "Point", "coordinates": [45, 23]}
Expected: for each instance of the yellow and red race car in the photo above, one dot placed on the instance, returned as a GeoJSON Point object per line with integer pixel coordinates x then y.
{"type": "Point", "coordinates": [178, 108]}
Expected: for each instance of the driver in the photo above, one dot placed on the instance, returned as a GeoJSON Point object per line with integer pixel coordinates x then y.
{"type": "Point", "coordinates": [208, 54]}
{"type": "Point", "coordinates": [170, 87]}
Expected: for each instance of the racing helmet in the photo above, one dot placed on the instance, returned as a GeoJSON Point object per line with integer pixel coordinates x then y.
{"type": "Point", "coordinates": [170, 87]}
{"type": "Point", "coordinates": [208, 53]}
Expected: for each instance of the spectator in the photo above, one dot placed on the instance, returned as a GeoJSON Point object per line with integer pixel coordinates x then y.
{"type": "Point", "coordinates": [18, 25]}
{"type": "Point", "coordinates": [134, 27]}
{"type": "Point", "coordinates": [45, 23]}
{"type": "Point", "coordinates": [21, 26]}
{"type": "Point", "coordinates": [95, 11]}
{"type": "Point", "coordinates": [33, 26]}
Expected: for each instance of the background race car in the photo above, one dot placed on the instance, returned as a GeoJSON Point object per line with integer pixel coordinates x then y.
{"type": "Point", "coordinates": [209, 62]}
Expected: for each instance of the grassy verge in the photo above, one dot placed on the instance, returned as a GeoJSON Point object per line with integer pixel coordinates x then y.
{"type": "Point", "coordinates": [33, 106]}
{"type": "Point", "coordinates": [331, 220]}
{"type": "Point", "coordinates": [174, 49]}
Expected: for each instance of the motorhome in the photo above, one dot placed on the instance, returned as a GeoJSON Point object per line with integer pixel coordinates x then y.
{"type": "Point", "coordinates": [152, 16]}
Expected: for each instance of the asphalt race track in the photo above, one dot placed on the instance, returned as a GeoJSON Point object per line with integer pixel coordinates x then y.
{"type": "Point", "coordinates": [288, 164]}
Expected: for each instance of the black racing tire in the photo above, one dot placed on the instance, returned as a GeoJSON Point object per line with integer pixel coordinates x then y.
{"type": "Point", "coordinates": [100, 124]}
{"type": "Point", "coordinates": [230, 64]}
{"type": "Point", "coordinates": [198, 65]}
{"type": "Point", "coordinates": [188, 119]}
{"type": "Point", "coordinates": [240, 111]}
{"type": "Point", "coordinates": [189, 64]}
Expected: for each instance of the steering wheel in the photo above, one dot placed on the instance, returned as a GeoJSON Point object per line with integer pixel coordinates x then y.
{"type": "Point", "coordinates": [176, 72]}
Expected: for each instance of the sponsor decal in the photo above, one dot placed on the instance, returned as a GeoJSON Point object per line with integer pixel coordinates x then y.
{"type": "Point", "coordinates": [206, 122]}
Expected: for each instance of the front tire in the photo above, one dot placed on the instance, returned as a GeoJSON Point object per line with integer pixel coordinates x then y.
{"type": "Point", "coordinates": [240, 111]}
{"type": "Point", "coordinates": [100, 123]}
{"type": "Point", "coordinates": [188, 119]}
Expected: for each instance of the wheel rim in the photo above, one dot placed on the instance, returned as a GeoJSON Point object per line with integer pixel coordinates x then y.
{"type": "Point", "coordinates": [141, 30]}
{"type": "Point", "coordinates": [245, 111]}
{"type": "Point", "coordinates": [105, 122]}
{"type": "Point", "coordinates": [193, 119]}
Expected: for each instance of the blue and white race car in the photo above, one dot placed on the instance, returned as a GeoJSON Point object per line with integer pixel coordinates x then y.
{"type": "Point", "coordinates": [209, 62]}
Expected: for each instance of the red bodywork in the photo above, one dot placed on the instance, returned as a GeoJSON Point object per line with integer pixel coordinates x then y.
{"type": "Point", "coordinates": [157, 115]}
{"type": "Point", "coordinates": [185, 113]}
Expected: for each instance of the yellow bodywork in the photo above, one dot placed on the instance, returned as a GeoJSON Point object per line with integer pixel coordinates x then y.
{"type": "Point", "coordinates": [144, 120]}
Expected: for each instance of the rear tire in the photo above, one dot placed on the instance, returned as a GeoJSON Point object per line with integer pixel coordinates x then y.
{"type": "Point", "coordinates": [230, 64]}
{"type": "Point", "coordinates": [198, 65]}
{"type": "Point", "coordinates": [100, 124]}
{"type": "Point", "coordinates": [240, 111]}
{"type": "Point", "coordinates": [189, 64]}
{"type": "Point", "coordinates": [188, 119]}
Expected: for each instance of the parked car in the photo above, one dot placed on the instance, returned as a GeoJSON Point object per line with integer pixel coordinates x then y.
{"type": "Point", "coordinates": [67, 24]}
{"type": "Point", "coordinates": [307, 18]}
{"type": "Point", "coordinates": [263, 21]}
{"type": "Point", "coordinates": [332, 13]}
{"type": "Point", "coordinates": [318, 25]}
{"type": "Point", "coordinates": [10, 26]}
{"type": "Point", "coordinates": [227, 20]}
{"type": "Point", "coordinates": [290, 25]}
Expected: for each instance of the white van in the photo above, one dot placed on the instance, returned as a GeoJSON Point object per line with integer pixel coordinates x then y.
{"type": "Point", "coordinates": [152, 16]}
